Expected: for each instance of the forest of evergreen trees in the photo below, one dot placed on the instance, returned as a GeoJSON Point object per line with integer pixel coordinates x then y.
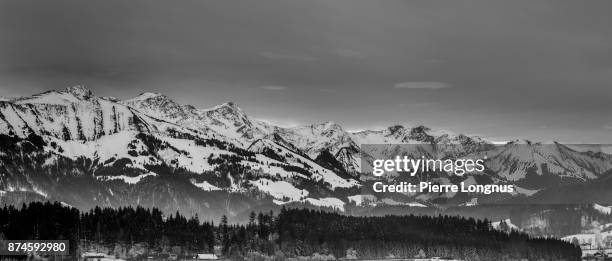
{"type": "Point", "coordinates": [406, 236]}
{"type": "Point", "coordinates": [105, 226]}
{"type": "Point", "coordinates": [290, 233]}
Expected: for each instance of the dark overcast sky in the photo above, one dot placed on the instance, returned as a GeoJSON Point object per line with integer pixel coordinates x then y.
{"type": "Point", "coordinates": [529, 69]}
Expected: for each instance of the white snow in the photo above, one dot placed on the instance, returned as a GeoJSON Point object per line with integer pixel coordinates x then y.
{"type": "Point", "coordinates": [593, 236]}
{"type": "Point", "coordinates": [591, 240]}
{"type": "Point", "coordinates": [106, 147]}
{"type": "Point", "coordinates": [523, 191]}
{"type": "Point", "coordinates": [471, 203]}
{"type": "Point", "coordinates": [144, 96]}
{"type": "Point", "coordinates": [61, 113]}
{"type": "Point", "coordinates": [39, 192]}
{"type": "Point", "coordinates": [52, 98]}
{"type": "Point", "coordinates": [197, 158]}
{"type": "Point", "coordinates": [391, 202]}
{"type": "Point", "coordinates": [312, 139]}
{"type": "Point", "coordinates": [358, 199]}
{"type": "Point", "coordinates": [279, 189]}
{"type": "Point", "coordinates": [103, 129]}
{"type": "Point", "coordinates": [319, 173]}
{"type": "Point", "coordinates": [327, 202]}
{"type": "Point", "coordinates": [127, 179]}
{"type": "Point", "coordinates": [363, 200]}
{"type": "Point", "coordinates": [602, 209]}
{"type": "Point", "coordinates": [99, 256]}
{"type": "Point", "coordinates": [204, 185]}
{"type": "Point", "coordinates": [508, 222]}
{"type": "Point", "coordinates": [513, 160]}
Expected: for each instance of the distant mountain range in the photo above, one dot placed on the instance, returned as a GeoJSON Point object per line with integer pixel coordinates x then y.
{"type": "Point", "coordinates": [84, 150]}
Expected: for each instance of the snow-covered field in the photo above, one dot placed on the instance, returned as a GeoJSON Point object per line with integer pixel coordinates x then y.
{"type": "Point", "coordinates": [603, 209]}
{"type": "Point", "coordinates": [204, 185]}
{"type": "Point", "coordinates": [496, 224]}
{"type": "Point", "coordinates": [126, 179]}
{"type": "Point", "coordinates": [280, 190]}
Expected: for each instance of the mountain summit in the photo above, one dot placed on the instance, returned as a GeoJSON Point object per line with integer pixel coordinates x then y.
{"type": "Point", "coordinates": [158, 105]}
{"type": "Point", "coordinates": [80, 91]}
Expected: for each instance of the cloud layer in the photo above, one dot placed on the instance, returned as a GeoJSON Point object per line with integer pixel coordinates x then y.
{"type": "Point", "coordinates": [480, 69]}
{"type": "Point", "coordinates": [274, 88]}
{"type": "Point", "coordinates": [421, 85]}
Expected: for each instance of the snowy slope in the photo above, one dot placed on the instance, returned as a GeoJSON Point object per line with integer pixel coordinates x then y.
{"type": "Point", "coordinates": [318, 173]}
{"type": "Point", "coordinates": [65, 115]}
{"type": "Point", "coordinates": [312, 139]}
{"type": "Point", "coordinates": [127, 139]}
{"type": "Point", "coordinates": [514, 161]}
{"type": "Point", "coordinates": [496, 225]}
{"type": "Point", "coordinates": [146, 138]}
{"type": "Point", "coordinates": [226, 120]}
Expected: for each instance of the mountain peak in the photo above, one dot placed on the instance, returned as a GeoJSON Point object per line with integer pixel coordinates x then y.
{"type": "Point", "coordinates": [157, 105]}
{"type": "Point", "coordinates": [189, 107]}
{"type": "Point", "coordinates": [231, 105]}
{"type": "Point", "coordinates": [147, 95]}
{"type": "Point", "coordinates": [421, 128]}
{"type": "Point", "coordinates": [227, 107]}
{"type": "Point", "coordinates": [152, 99]}
{"type": "Point", "coordinates": [395, 128]}
{"type": "Point", "coordinates": [421, 133]}
{"type": "Point", "coordinates": [80, 91]}
{"type": "Point", "coordinates": [327, 125]}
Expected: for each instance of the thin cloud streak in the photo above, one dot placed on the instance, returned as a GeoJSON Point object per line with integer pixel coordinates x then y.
{"type": "Point", "coordinates": [274, 88]}
{"type": "Point", "coordinates": [422, 85]}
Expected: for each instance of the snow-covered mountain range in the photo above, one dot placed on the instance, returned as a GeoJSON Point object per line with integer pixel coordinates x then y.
{"type": "Point", "coordinates": [84, 150]}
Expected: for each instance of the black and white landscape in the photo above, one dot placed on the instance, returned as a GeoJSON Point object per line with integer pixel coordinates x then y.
{"type": "Point", "coordinates": [242, 128]}
{"type": "Point", "coordinates": [74, 147]}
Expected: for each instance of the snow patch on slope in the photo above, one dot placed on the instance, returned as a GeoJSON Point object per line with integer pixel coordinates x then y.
{"type": "Point", "coordinates": [204, 185]}
{"type": "Point", "coordinates": [329, 202]}
{"type": "Point", "coordinates": [281, 190]}
{"type": "Point", "coordinates": [496, 225]}
{"type": "Point", "coordinates": [391, 202]}
{"type": "Point", "coordinates": [602, 209]}
{"type": "Point", "coordinates": [126, 179]}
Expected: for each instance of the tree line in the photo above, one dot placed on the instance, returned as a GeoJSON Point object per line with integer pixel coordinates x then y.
{"type": "Point", "coordinates": [105, 226]}
{"type": "Point", "coordinates": [304, 232]}
{"type": "Point", "coordinates": [289, 233]}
